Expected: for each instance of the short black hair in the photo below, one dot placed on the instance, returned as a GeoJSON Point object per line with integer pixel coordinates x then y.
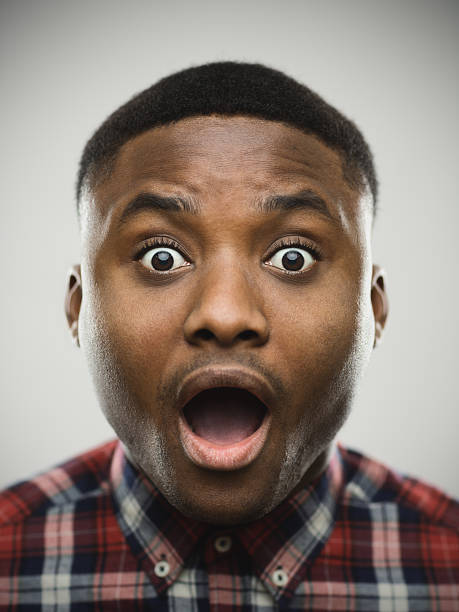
{"type": "Point", "coordinates": [229, 88]}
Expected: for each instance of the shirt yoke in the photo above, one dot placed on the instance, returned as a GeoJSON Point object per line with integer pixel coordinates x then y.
{"type": "Point", "coordinates": [85, 475]}
{"type": "Point", "coordinates": [370, 482]}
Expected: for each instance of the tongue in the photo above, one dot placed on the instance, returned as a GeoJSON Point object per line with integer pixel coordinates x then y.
{"type": "Point", "coordinates": [224, 416]}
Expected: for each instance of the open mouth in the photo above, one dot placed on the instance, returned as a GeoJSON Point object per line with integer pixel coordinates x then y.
{"type": "Point", "coordinates": [223, 428]}
{"type": "Point", "coordinates": [224, 415]}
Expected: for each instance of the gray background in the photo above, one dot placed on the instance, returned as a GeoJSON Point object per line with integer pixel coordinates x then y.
{"type": "Point", "coordinates": [391, 66]}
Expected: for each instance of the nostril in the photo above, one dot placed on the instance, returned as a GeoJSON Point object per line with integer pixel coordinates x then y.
{"type": "Point", "coordinates": [204, 334]}
{"type": "Point", "coordinates": [248, 334]}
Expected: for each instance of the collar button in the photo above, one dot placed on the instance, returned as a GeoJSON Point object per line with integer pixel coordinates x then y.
{"type": "Point", "coordinates": [162, 569]}
{"type": "Point", "coordinates": [279, 577]}
{"type": "Point", "coordinates": [223, 544]}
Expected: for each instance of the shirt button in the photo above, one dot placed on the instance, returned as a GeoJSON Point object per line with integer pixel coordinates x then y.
{"type": "Point", "coordinates": [223, 544]}
{"type": "Point", "coordinates": [279, 577]}
{"type": "Point", "coordinates": [162, 568]}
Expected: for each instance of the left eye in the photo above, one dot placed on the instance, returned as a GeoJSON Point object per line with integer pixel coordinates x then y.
{"type": "Point", "coordinates": [163, 259]}
{"type": "Point", "coordinates": [292, 259]}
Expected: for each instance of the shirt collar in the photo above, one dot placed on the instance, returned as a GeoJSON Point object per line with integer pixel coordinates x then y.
{"type": "Point", "coordinates": [286, 540]}
{"type": "Point", "coordinates": [291, 536]}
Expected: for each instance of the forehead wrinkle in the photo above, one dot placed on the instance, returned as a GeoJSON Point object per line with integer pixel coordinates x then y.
{"type": "Point", "coordinates": [268, 167]}
{"type": "Point", "coordinates": [172, 145]}
{"type": "Point", "coordinates": [312, 165]}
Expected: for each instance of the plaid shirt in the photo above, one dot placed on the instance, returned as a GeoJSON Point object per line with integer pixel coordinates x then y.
{"type": "Point", "coordinates": [95, 534]}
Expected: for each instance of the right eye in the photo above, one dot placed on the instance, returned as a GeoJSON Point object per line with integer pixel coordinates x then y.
{"type": "Point", "coordinates": [163, 259]}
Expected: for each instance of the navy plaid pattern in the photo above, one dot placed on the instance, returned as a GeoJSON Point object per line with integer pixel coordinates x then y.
{"type": "Point", "coordinates": [95, 534]}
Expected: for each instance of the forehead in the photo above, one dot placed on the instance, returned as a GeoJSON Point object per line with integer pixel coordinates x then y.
{"type": "Point", "coordinates": [216, 157]}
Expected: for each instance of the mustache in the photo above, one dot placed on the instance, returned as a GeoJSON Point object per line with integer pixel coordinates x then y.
{"type": "Point", "coordinates": [168, 389]}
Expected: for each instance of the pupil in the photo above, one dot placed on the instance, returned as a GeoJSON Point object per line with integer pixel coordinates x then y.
{"type": "Point", "coordinates": [162, 260]}
{"type": "Point", "coordinates": [293, 260]}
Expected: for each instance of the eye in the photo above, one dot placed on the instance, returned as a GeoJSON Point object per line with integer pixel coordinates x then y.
{"type": "Point", "coordinates": [292, 259]}
{"type": "Point", "coordinates": [163, 259]}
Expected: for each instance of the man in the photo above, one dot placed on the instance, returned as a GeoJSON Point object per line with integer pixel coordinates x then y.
{"type": "Point", "coordinates": [227, 305]}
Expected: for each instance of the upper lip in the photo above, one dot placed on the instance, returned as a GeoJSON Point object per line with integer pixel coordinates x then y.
{"type": "Point", "coordinates": [211, 378]}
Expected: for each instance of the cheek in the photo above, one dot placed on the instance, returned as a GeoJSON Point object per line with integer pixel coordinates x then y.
{"type": "Point", "coordinates": [144, 320]}
{"type": "Point", "coordinates": [126, 343]}
{"type": "Point", "coordinates": [324, 337]}
{"type": "Point", "coordinates": [128, 331]}
{"type": "Point", "coordinates": [323, 347]}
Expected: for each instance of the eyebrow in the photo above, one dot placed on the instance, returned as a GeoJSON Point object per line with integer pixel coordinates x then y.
{"type": "Point", "coordinates": [153, 201]}
{"type": "Point", "coordinates": [303, 200]}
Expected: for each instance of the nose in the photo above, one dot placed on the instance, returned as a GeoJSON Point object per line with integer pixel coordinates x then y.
{"type": "Point", "coordinates": [226, 311]}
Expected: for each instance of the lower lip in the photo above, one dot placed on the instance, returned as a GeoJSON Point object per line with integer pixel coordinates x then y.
{"type": "Point", "coordinates": [223, 457]}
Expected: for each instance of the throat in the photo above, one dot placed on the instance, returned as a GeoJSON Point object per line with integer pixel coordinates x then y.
{"type": "Point", "coordinates": [224, 416]}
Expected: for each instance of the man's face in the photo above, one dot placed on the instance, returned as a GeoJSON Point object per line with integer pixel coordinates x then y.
{"type": "Point", "coordinates": [267, 293]}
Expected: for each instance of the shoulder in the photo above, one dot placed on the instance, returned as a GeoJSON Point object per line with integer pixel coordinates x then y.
{"type": "Point", "coordinates": [85, 475]}
{"type": "Point", "coordinates": [372, 484]}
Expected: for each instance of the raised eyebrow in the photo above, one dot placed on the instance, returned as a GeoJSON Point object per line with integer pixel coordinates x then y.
{"type": "Point", "coordinates": [303, 200]}
{"type": "Point", "coordinates": [154, 201]}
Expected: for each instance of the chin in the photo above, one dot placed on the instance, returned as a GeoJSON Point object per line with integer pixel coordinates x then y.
{"type": "Point", "coordinates": [222, 514]}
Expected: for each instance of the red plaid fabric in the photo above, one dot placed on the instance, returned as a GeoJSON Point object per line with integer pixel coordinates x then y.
{"type": "Point", "coordinates": [95, 534]}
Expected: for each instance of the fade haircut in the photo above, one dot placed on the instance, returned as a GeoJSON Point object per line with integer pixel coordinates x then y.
{"type": "Point", "coordinates": [229, 88]}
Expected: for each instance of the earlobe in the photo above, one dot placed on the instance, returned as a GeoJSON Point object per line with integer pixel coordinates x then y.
{"type": "Point", "coordinates": [73, 297]}
{"type": "Point", "coordinates": [379, 302]}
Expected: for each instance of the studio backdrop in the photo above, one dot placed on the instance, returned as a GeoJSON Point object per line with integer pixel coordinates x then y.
{"type": "Point", "coordinates": [389, 66]}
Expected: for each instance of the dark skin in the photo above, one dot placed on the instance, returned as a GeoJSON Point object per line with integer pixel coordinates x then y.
{"type": "Point", "coordinates": [229, 300]}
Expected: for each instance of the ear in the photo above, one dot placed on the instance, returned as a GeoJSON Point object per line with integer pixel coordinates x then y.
{"type": "Point", "coordinates": [73, 297]}
{"type": "Point", "coordinates": [379, 302]}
